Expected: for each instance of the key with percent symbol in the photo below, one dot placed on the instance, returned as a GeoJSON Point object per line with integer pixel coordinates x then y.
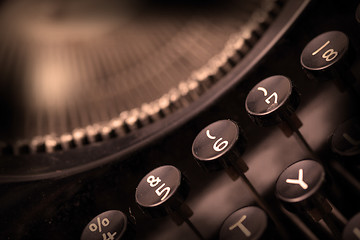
{"type": "Point", "coordinates": [109, 225]}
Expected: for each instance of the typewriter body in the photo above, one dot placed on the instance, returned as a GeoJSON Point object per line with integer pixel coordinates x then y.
{"type": "Point", "coordinates": [48, 194]}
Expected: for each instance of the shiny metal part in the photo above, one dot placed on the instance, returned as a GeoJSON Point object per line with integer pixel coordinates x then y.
{"type": "Point", "coordinates": [203, 67]}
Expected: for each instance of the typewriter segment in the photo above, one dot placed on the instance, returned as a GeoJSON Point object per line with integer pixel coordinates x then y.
{"type": "Point", "coordinates": [92, 70]}
{"type": "Point", "coordinates": [127, 120]}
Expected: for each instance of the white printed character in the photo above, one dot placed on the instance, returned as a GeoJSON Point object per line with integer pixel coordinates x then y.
{"type": "Point", "coordinates": [109, 236]}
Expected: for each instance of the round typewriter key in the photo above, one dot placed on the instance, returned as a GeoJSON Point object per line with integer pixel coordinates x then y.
{"type": "Point", "coordinates": [328, 56]}
{"type": "Point", "coordinates": [244, 224]}
{"type": "Point", "coordinates": [352, 229]}
{"type": "Point", "coordinates": [219, 145]}
{"type": "Point", "coordinates": [300, 181]}
{"type": "Point", "coordinates": [345, 140]}
{"type": "Point", "coordinates": [163, 192]}
{"type": "Point", "coordinates": [215, 140]}
{"type": "Point", "coordinates": [158, 186]}
{"type": "Point", "coordinates": [324, 51]}
{"type": "Point", "coordinates": [299, 188]}
{"type": "Point", "coordinates": [273, 101]}
{"type": "Point", "coordinates": [268, 95]}
{"type": "Point", "coordinates": [111, 224]}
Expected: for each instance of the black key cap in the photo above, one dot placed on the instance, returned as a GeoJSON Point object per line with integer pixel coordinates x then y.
{"type": "Point", "coordinates": [220, 146]}
{"type": "Point", "coordinates": [345, 140]}
{"type": "Point", "coordinates": [273, 101]}
{"type": "Point", "coordinates": [328, 56]}
{"type": "Point", "coordinates": [352, 229]}
{"type": "Point", "coordinates": [299, 187]}
{"type": "Point", "coordinates": [109, 225]}
{"type": "Point", "coordinates": [163, 192]}
{"type": "Point", "coordinates": [244, 224]}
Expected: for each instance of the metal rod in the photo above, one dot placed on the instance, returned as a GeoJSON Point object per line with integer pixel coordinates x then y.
{"type": "Point", "coordinates": [345, 174]}
{"type": "Point", "coordinates": [354, 95]}
{"type": "Point", "coordinates": [193, 228]}
{"type": "Point", "coordinates": [263, 204]}
{"type": "Point", "coordinates": [304, 143]}
{"type": "Point", "coordinates": [299, 224]}
{"type": "Point", "coordinates": [339, 217]}
{"type": "Point", "coordinates": [332, 226]}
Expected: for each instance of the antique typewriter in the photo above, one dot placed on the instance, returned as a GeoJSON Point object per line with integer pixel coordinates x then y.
{"type": "Point", "coordinates": [182, 120]}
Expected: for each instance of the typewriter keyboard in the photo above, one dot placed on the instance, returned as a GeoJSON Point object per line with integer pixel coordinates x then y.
{"type": "Point", "coordinates": [276, 157]}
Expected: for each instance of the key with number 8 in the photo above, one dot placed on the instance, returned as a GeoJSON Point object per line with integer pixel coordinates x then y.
{"type": "Point", "coordinates": [328, 56]}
